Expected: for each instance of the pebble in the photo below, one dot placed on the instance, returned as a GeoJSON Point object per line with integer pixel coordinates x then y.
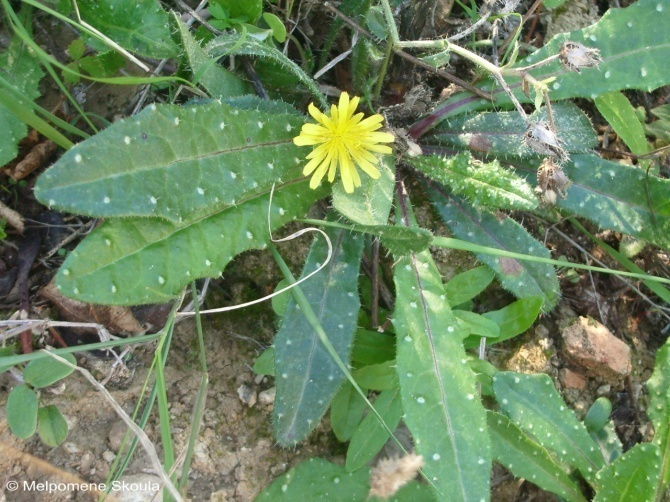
{"type": "Point", "coordinates": [594, 349]}
{"type": "Point", "coordinates": [267, 397]}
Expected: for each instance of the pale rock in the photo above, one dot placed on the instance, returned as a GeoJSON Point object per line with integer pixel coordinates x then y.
{"type": "Point", "coordinates": [591, 346]}
{"type": "Point", "coordinates": [247, 395]}
{"type": "Point", "coordinates": [267, 397]}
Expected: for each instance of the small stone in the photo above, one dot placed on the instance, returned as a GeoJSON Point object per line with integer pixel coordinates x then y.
{"type": "Point", "coordinates": [86, 462]}
{"type": "Point", "coordinates": [591, 346]}
{"type": "Point", "coordinates": [247, 395]}
{"type": "Point", "coordinates": [267, 397]}
{"type": "Point", "coordinates": [603, 390]}
{"type": "Point", "coordinates": [109, 456]}
{"type": "Point", "coordinates": [571, 379]}
{"type": "Point", "coordinates": [71, 447]}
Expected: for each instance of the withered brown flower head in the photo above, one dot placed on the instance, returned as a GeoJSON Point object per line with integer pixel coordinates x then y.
{"type": "Point", "coordinates": [575, 56]}
{"type": "Point", "coordinates": [551, 181]}
{"type": "Point", "coordinates": [542, 139]}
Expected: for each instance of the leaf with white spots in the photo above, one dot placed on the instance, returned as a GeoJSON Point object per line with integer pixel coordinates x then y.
{"type": "Point", "coordinates": [532, 403]}
{"type": "Point", "coordinates": [131, 261]}
{"type": "Point", "coordinates": [439, 395]}
{"type": "Point", "coordinates": [370, 204]}
{"type": "Point", "coordinates": [659, 411]}
{"type": "Point", "coordinates": [526, 459]}
{"type": "Point", "coordinates": [319, 480]}
{"type": "Point", "coordinates": [484, 184]}
{"type": "Point", "coordinates": [307, 378]}
{"type": "Point", "coordinates": [633, 476]}
{"type": "Point", "coordinates": [614, 196]}
{"type": "Point", "coordinates": [399, 240]}
{"type": "Point", "coordinates": [20, 71]}
{"type": "Point", "coordinates": [140, 26]}
{"type": "Point", "coordinates": [500, 134]}
{"type": "Point", "coordinates": [243, 45]}
{"type": "Point", "coordinates": [634, 55]}
{"type": "Point", "coordinates": [524, 279]}
{"type": "Point", "coordinates": [171, 161]}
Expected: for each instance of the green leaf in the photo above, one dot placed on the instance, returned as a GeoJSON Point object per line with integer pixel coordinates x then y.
{"type": "Point", "coordinates": [171, 161]}
{"type": "Point", "coordinates": [21, 411]}
{"type": "Point", "coordinates": [608, 442]}
{"type": "Point", "coordinates": [140, 26]}
{"type": "Point", "coordinates": [370, 437]}
{"type": "Point", "coordinates": [321, 480]}
{"type": "Point", "coordinates": [615, 197]}
{"type": "Point", "coordinates": [47, 371]}
{"type": "Point", "coordinates": [52, 426]}
{"type": "Point", "coordinates": [633, 476]}
{"type": "Point", "coordinates": [103, 64]}
{"type": "Point", "coordinates": [265, 363]}
{"type": "Point", "coordinates": [276, 25]}
{"type": "Point", "coordinates": [501, 133]}
{"type": "Point", "coordinates": [659, 410]}
{"type": "Point", "coordinates": [217, 81]}
{"type": "Point", "coordinates": [76, 49]}
{"type": "Point", "coordinates": [620, 114]}
{"type": "Point", "coordinates": [633, 53]}
{"type": "Point", "coordinates": [598, 415]}
{"type": "Point", "coordinates": [372, 347]}
{"type": "Point", "coordinates": [439, 397]}
{"type": "Point", "coordinates": [477, 324]}
{"type": "Point", "coordinates": [370, 204]}
{"type": "Point", "coordinates": [532, 402]}
{"type": "Point", "coordinates": [236, 45]}
{"type": "Point", "coordinates": [307, 376]}
{"type": "Point", "coordinates": [486, 185]}
{"type": "Point", "coordinates": [131, 261]}
{"type": "Point", "coordinates": [374, 18]}
{"type": "Point", "coordinates": [380, 376]}
{"type": "Point", "coordinates": [522, 278]}
{"type": "Point", "coordinates": [280, 301]}
{"type": "Point", "coordinates": [466, 285]}
{"type": "Point", "coordinates": [526, 459]}
{"type": "Point", "coordinates": [552, 4]}
{"type": "Point", "coordinates": [632, 50]}
{"type": "Point", "coordinates": [512, 320]}
{"type": "Point", "coordinates": [21, 70]}
{"type": "Point", "coordinates": [346, 411]}
{"type": "Point", "coordinates": [400, 240]}
{"type": "Point", "coordinates": [247, 10]}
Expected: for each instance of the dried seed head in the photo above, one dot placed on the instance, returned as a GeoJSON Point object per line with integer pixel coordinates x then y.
{"type": "Point", "coordinates": [574, 56]}
{"type": "Point", "coordinates": [499, 6]}
{"type": "Point", "coordinates": [541, 138]}
{"type": "Point", "coordinates": [391, 474]}
{"type": "Point", "coordinates": [551, 181]}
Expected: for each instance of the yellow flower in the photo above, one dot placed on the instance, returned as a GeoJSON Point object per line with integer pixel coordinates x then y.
{"type": "Point", "coordinates": [344, 140]}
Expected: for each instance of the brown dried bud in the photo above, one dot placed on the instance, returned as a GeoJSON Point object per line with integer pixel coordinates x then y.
{"type": "Point", "coordinates": [541, 138]}
{"type": "Point", "coordinates": [551, 181]}
{"type": "Point", "coordinates": [574, 56]}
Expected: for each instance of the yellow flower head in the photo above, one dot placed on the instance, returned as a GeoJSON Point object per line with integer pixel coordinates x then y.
{"type": "Point", "coordinates": [344, 140]}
